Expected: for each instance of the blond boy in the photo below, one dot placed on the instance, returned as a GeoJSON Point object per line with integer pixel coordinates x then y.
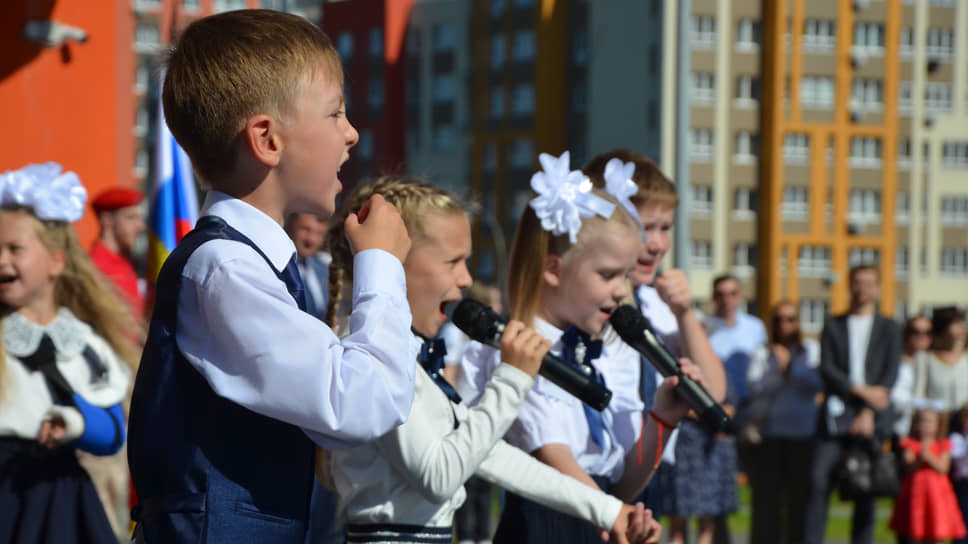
{"type": "Point", "coordinates": [237, 381]}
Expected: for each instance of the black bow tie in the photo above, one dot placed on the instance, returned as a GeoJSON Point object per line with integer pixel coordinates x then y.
{"type": "Point", "coordinates": [44, 360]}
{"type": "Point", "coordinates": [431, 358]}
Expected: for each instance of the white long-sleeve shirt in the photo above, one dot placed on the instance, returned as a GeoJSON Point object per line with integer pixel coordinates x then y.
{"type": "Point", "coordinates": [550, 415]}
{"type": "Point", "coordinates": [240, 327]}
{"type": "Point", "coordinates": [415, 473]}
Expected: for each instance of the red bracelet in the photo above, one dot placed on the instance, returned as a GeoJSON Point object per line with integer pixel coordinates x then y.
{"type": "Point", "coordinates": [660, 421]}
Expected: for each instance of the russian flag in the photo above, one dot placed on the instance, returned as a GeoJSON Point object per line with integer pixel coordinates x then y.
{"type": "Point", "coordinates": [174, 202]}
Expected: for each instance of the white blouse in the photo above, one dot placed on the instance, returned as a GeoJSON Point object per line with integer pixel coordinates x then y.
{"type": "Point", "coordinates": [415, 473]}
{"type": "Point", "coordinates": [552, 416]}
{"type": "Point", "coordinates": [25, 400]}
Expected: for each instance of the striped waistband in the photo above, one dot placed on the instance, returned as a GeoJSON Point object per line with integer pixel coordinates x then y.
{"type": "Point", "coordinates": [397, 533]}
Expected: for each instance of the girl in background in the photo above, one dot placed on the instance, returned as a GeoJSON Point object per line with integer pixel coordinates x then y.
{"type": "Point", "coordinates": [959, 463]}
{"type": "Point", "coordinates": [926, 511]}
{"type": "Point", "coordinates": [570, 261]}
{"type": "Point", "coordinates": [67, 354]}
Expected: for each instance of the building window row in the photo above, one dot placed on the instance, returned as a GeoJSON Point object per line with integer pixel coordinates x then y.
{"type": "Point", "coordinates": [819, 35]}
{"type": "Point", "coordinates": [701, 204]}
{"type": "Point", "coordinates": [864, 206]}
{"type": "Point", "coordinates": [796, 148]}
{"type": "Point", "coordinates": [954, 262]}
{"type": "Point", "coordinates": [817, 92]}
{"type": "Point", "coordinates": [702, 142]}
{"type": "Point", "coordinates": [795, 204]}
{"type": "Point", "coordinates": [954, 211]}
{"type": "Point", "coordinates": [702, 255]}
{"type": "Point", "coordinates": [703, 31]}
{"type": "Point", "coordinates": [703, 87]}
{"type": "Point", "coordinates": [865, 152]}
{"type": "Point", "coordinates": [954, 154]}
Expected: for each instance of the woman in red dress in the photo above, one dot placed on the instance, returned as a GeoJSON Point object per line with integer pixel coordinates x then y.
{"type": "Point", "coordinates": [927, 510]}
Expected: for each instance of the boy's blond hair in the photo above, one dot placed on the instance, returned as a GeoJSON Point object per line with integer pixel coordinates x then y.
{"type": "Point", "coordinates": [231, 66]}
{"type": "Point", "coordinates": [532, 245]}
{"type": "Point", "coordinates": [653, 186]}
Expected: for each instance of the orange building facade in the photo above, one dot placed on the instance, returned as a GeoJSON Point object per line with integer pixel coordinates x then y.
{"type": "Point", "coordinates": [68, 100]}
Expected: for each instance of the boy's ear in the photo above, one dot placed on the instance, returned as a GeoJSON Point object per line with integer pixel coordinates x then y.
{"type": "Point", "coordinates": [261, 134]}
{"type": "Point", "coordinates": [551, 272]}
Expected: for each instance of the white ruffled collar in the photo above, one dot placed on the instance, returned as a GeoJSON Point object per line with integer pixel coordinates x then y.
{"type": "Point", "coordinates": [22, 336]}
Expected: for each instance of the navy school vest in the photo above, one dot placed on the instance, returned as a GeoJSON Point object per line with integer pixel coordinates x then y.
{"type": "Point", "coordinates": [204, 468]}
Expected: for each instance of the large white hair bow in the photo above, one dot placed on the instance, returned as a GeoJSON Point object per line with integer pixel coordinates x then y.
{"type": "Point", "coordinates": [618, 183]}
{"type": "Point", "coordinates": [564, 196]}
{"type": "Point", "coordinates": [42, 187]}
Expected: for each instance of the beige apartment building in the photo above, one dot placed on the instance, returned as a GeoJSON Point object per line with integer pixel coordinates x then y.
{"type": "Point", "coordinates": [826, 134]}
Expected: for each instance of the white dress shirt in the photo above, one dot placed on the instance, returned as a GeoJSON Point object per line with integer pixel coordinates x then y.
{"type": "Point", "coordinates": [550, 415]}
{"type": "Point", "coordinates": [858, 337]}
{"type": "Point", "coordinates": [25, 400]}
{"type": "Point", "coordinates": [239, 326]}
{"type": "Point", "coordinates": [415, 473]}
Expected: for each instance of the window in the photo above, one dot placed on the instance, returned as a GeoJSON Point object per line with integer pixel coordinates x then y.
{"type": "Point", "coordinates": [867, 95]}
{"type": "Point", "coordinates": [865, 152]}
{"type": "Point", "coordinates": [497, 102]}
{"type": "Point", "coordinates": [228, 5]}
{"type": "Point", "coordinates": [489, 162]}
{"type": "Point", "coordinates": [142, 77]}
{"type": "Point", "coordinates": [954, 211]}
{"type": "Point", "coordinates": [444, 138]}
{"type": "Point", "coordinates": [703, 31]}
{"type": "Point", "coordinates": [444, 38]}
{"type": "Point", "coordinates": [813, 312]}
{"type": "Point", "coordinates": [747, 35]}
{"type": "Point", "coordinates": [375, 44]}
{"type": "Point", "coordinates": [817, 92]}
{"type": "Point", "coordinates": [445, 88]}
{"type": "Point", "coordinates": [747, 144]}
{"type": "Point", "coordinates": [907, 42]}
{"type": "Point", "coordinates": [141, 160]}
{"type": "Point", "coordinates": [365, 145]}
{"type": "Point", "coordinates": [864, 206]}
{"type": "Point", "coordinates": [141, 120]}
{"type": "Point", "coordinates": [497, 51]}
{"type": "Point", "coordinates": [796, 148]}
{"type": "Point", "coordinates": [904, 154]}
{"type": "Point", "coordinates": [344, 44]}
{"type": "Point", "coordinates": [522, 99]}
{"type": "Point", "coordinates": [795, 204]}
{"type": "Point", "coordinates": [522, 46]}
{"type": "Point", "coordinates": [954, 262]}
{"type": "Point", "coordinates": [902, 264]}
{"type": "Point", "coordinates": [904, 102]}
{"type": "Point", "coordinates": [941, 43]}
{"type": "Point", "coordinates": [147, 37]}
{"type": "Point", "coordinates": [747, 91]}
{"type": "Point", "coordinates": [954, 154]}
{"type": "Point", "coordinates": [869, 38]}
{"type": "Point", "coordinates": [702, 201]}
{"type": "Point", "coordinates": [819, 35]}
{"type": "Point", "coordinates": [702, 145]}
{"type": "Point", "coordinates": [497, 8]}
{"type": "Point", "coordinates": [902, 209]}
{"type": "Point", "coordinates": [702, 255]}
{"type": "Point", "coordinates": [522, 154]}
{"type": "Point", "coordinates": [374, 94]}
{"type": "Point", "coordinates": [814, 262]}
{"type": "Point", "coordinates": [938, 98]}
{"type": "Point", "coordinates": [703, 87]}
{"type": "Point", "coordinates": [745, 202]}
{"type": "Point", "coordinates": [744, 258]}
{"type": "Point", "coordinates": [863, 255]}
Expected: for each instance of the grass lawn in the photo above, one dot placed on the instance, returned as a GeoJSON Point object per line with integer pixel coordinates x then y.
{"type": "Point", "coordinates": [838, 519]}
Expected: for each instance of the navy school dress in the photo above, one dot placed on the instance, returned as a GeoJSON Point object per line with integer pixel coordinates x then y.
{"type": "Point", "coordinates": [46, 497]}
{"type": "Point", "coordinates": [206, 469]}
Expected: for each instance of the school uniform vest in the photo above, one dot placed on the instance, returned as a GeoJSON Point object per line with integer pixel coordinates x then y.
{"type": "Point", "coordinates": [206, 469]}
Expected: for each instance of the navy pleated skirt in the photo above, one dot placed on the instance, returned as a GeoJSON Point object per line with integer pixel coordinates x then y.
{"type": "Point", "coordinates": [47, 498]}
{"type": "Point", "coordinates": [527, 522]}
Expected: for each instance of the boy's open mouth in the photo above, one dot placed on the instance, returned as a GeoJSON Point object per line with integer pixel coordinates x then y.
{"type": "Point", "coordinates": [7, 278]}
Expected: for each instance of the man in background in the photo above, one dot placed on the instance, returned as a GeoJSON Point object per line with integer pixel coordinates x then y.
{"type": "Point", "coordinates": [308, 233]}
{"type": "Point", "coordinates": [118, 211]}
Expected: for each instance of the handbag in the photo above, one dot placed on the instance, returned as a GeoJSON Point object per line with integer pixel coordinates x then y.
{"type": "Point", "coordinates": [868, 468]}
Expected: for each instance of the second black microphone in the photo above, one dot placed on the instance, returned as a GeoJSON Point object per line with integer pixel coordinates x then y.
{"type": "Point", "coordinates": [636, 331]}
{"type": "Point", "coordinates": [483, 324]}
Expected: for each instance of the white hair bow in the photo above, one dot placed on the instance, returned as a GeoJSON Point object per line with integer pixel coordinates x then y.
{"type": "Point", "coordinates": [42, 187]}
{"type": "Point", "coordinates": [564, 197]}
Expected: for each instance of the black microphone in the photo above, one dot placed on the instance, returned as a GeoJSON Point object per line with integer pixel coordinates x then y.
{"type": "Point", "coordinates": [483, 324]}
{"type": "Point", "coordinates": [636, 330]}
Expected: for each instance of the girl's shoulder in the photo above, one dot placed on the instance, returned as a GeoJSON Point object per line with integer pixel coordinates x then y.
{"type": "Point", "coordinates": [941, 445]}
{"type": "Point", "coordinates": [909, 443]}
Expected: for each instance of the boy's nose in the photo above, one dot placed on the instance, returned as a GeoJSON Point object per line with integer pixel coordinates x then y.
{"type": "Point", "coordinates": [352, 135]}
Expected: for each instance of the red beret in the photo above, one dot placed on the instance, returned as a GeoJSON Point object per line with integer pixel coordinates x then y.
{"type": "Point", "coordinates": [116, 198]}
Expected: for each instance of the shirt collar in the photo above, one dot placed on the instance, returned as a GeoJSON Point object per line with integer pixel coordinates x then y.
{"type": "Point", "coordinates": [267, 235]}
